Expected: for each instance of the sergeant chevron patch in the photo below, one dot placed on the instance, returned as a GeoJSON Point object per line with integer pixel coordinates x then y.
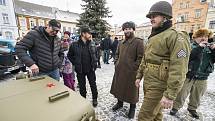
{"type": "Point", "coordinates": [181, 53]}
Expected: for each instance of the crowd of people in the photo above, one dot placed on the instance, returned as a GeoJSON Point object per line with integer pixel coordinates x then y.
{"type": "Point", "coordinates": [173, 63]}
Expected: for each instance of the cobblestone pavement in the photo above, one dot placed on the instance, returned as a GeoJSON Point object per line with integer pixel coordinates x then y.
{"type": "Point", "coordinates": [106, 101]}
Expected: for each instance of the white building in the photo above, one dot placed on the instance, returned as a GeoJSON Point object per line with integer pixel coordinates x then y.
{"type": "Point", "coordinates": [68, 20]}
{"type": "Point", "coordinates": [210, 20]}
{"type": "Point", "coordinates": [144, 30]}
{"type": "Point", "coordinates": [8, 26]}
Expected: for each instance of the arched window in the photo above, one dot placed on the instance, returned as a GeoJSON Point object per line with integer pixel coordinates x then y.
{"type": "Point", "coordinates": [2, 2]}
{"type": "Point", "coordinates": [8, 35]}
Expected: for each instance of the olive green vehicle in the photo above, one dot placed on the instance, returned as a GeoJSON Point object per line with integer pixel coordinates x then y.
{"type": "Point", "coordinates": [42, 99]}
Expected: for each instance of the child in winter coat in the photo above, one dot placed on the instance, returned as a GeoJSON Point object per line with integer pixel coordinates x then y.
{"type": "Point", "coordinates": [67, 69]}
{"type": "Point", "coordinates": [68, 74]}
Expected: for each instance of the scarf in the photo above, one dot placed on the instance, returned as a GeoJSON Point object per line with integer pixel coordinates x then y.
{"type": "Point", "coordinates": [166, 25]}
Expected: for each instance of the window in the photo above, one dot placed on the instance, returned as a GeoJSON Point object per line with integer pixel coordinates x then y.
{"type": "Point", "coordinates": [2, 2]}
{"type": "Point", "coordinates": [186, 16]}
{"type": "Point", "coordinates": [69, 29]}
{"type": "Point", "coordinates": [41, 23]}
{"type": "Point", "coordinates": [181, 18]}
{"type": "Point", "coordinates": [74, 30]}
{"type": "Point", "coordinates": [202, 1]}
{"type": "Point", "coordinates": [32, 24]}
{"type": "Point", "coordinates": [198, 13]}
{"type": "Point", "coordinates": [212, 5]}
{"type": "Point", "coordinates": [5, 18]}
{"type": "Point", "coordinates": [187, 5]}
{"type": "Point", "coordinates": [8, 35]}
{"type": "Point", "coordinates": [64, 29]}
{"type": "Point", "coordinates": [22, 22]}
{"type": "Point", "coordinates": [181, 5]}
{"type": "Point", "coordinates": [212, 25]}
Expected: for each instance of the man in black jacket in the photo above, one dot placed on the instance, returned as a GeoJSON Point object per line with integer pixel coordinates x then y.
{"type": "Point", "coordinates": [44, 47]}
{"type": "Point", "coordinates": [114, 47]}
{"type": "Point", "coordinates": [106, 46]}
{"type": "Point", "coordinates": [82, 54]}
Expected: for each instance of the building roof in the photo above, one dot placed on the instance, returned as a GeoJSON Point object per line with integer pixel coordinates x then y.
{"type": "Point", "coordinates": [31, 9]}
{"type": "Point", "coordinates": [67, 16]}
{"type": "Point", "coordinates": [121, 33]}
{"type": "Point", "coordinates": [145, 24]}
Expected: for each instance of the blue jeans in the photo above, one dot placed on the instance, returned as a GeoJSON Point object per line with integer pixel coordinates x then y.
{"type": "Point", "coordinates": [55, 74]}
{"type": "Point", "coordinates": [106, 56]}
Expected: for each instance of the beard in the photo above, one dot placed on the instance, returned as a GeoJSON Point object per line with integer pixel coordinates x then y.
{"type": "Point", "coordinates": [87, 38]}
{"type": "Point", "coordinates": [129, 35]}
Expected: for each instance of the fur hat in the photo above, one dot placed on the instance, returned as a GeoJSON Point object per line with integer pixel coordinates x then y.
{"type": "Point", "coordinates": [129, 24]}
{"type": "Point", "coordinates": [203, 32]}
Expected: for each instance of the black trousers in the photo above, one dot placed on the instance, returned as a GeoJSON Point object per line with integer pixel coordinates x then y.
{"type": "Point", "coordinates": [91, 76]}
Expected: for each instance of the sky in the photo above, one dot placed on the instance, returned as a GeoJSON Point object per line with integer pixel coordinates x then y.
{"type": "Point", "coordinates": [121, 10]}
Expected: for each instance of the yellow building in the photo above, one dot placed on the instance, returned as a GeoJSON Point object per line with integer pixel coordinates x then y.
{"type": "Point", "coordinates": [189, 14]}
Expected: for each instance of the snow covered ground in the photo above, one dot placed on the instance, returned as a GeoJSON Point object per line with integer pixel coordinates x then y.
{"type": "Point", "coordinates": [106, 101]}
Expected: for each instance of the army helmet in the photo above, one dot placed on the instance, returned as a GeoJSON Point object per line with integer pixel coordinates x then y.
{"type": "Point", "coordinates": [161, 8]}
{"type": "Point", "coordinates": [128, 24]}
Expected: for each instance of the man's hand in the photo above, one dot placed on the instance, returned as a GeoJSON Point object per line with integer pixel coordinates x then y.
{"type": "Point", "coordinates": [34, 69]}
{"type": "Point", "coordinates": [203, 43]}
{"type": "Point", "coordinates": [212, 46]}
{"type": "Point", "coordinates": [137, 83]}
{"type": "Point", "coordinates": [166, 103]}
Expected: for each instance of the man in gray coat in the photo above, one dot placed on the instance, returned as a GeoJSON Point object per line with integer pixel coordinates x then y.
{"type": "Point", "coordinates": [45, 51]}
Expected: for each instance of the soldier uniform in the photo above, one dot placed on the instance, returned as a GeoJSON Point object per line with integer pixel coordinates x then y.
{"type": "Point", "coordinates": [164, 67]}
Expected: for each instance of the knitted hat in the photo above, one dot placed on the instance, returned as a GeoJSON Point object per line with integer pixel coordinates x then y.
{"type": "Point", "coordinates": [67, 32]}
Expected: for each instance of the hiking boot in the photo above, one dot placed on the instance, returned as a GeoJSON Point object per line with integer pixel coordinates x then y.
{"type": "Point", "coordinates": [99, 66]}
{"type": "Point", "coordinates": [193, 113]}
{"type": "Point", "coordinates": [95, 102]}
{"type": "Point", "coordinates": [173, 112]}
{"type": "Point", "coordinates": [117, 106]}
{"type": "Point", "coordinates": [131, 112]}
